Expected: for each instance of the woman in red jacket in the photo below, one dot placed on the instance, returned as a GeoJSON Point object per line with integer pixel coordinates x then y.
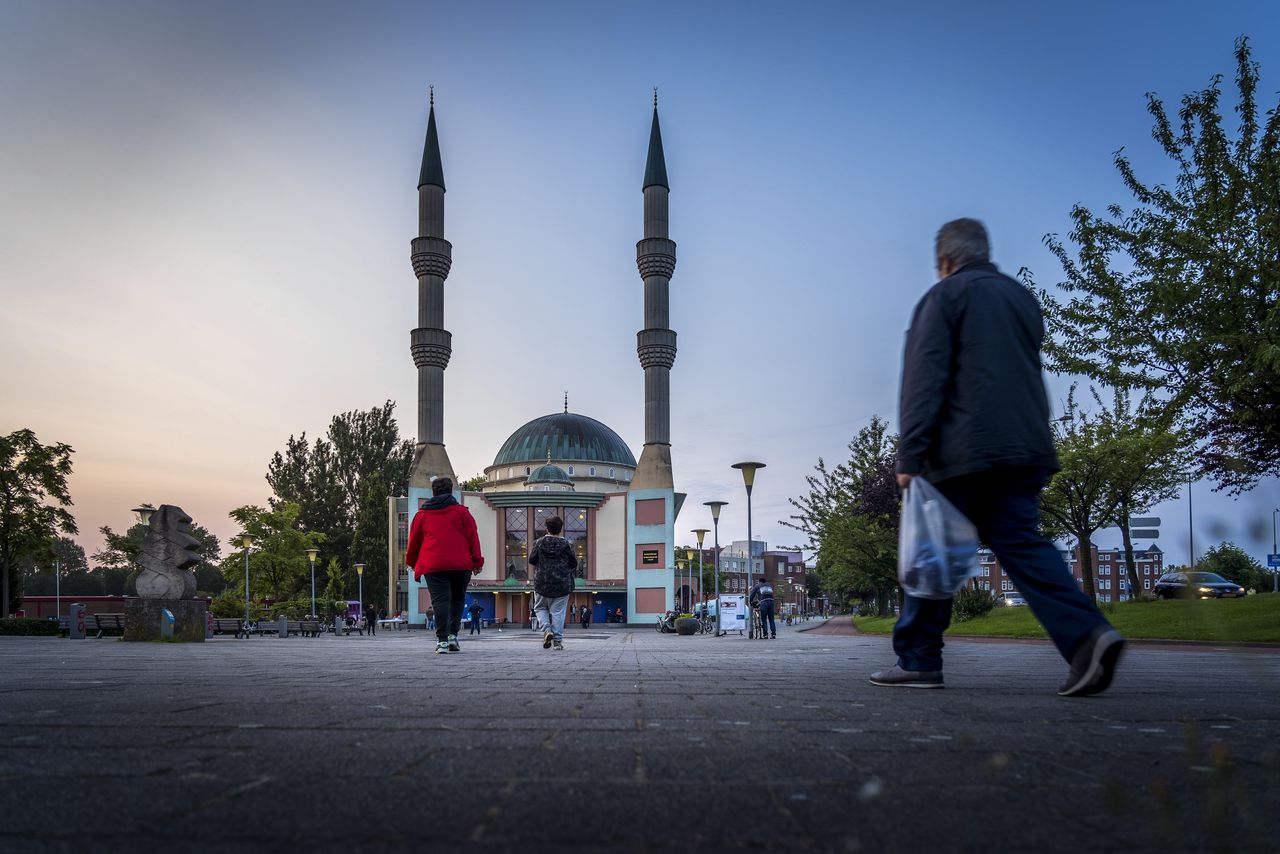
{"type": "Point", "coordinates": [444, 552]}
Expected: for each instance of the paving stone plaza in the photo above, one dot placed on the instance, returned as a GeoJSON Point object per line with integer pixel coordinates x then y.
{"type": "Point", "coordinates": [627, 740]}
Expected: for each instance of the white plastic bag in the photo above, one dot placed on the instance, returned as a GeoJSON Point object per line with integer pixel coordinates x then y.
{"type": "Point", "coordinates": [937, 545]}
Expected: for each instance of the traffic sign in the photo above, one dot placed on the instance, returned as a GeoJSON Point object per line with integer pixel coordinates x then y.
{"type": "Point", "coordinates": [1144, 533]}
{"type": "Point", "coordinates": [1144, 522]}
{"type": "Point", "coordinates": [1273, 561]}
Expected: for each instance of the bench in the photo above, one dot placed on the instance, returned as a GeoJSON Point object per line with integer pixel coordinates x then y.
{"type": "Point", "coordinates": [109, 623]}
{"type": "Point", "coordinates": [306, 628]}
{"type": "Point", "coordinates": [235, 625]}
{"type": "Point", "coordinates": [357, 627]}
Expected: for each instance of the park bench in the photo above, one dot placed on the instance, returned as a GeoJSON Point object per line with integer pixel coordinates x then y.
{"type": "Point", "coordinates": [109, 623]}
{"type": "Point", "coordinates": [234, 625]}
{"type": "Point", "coordinates": [266, 627]}
{"type": "Point", "coordinates": [306, 628]}
{"type": "Point", "coordinates": [357, 627]}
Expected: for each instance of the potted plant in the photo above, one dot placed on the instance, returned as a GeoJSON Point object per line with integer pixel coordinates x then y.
{"type": "Point", "coordinates": [687, 625]}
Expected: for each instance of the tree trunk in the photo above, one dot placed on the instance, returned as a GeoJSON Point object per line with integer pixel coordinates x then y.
{"type": "Point", "coordinates": [1130, 569]}
{"type": "Point", "coordinates": [1086, 564]}
{"type": "Point", "coordinates": [4, 606]}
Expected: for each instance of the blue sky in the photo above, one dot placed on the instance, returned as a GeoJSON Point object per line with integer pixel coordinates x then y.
{"type": "Point", "coordinates": [207, 209]}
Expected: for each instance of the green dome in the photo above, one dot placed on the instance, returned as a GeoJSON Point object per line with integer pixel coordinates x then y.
{"type": "Point", "coordinates": [549, 473]}
{"type": "Point", "coordinates": [569, 437]}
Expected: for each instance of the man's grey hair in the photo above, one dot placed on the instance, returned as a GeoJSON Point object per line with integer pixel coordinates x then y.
{"type": "Point", "coordinates": [962, 241]}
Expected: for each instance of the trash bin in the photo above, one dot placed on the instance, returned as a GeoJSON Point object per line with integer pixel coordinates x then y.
{"type": "Point", "coordinates": [76, 622]}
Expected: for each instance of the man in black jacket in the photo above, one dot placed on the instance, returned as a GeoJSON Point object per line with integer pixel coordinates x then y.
{"type": "Point", "coordinates": [974, 421]}
{"type": "Point", "coordinates": [553, 581]}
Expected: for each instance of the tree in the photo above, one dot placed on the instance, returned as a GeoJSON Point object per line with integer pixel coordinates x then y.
{"type": "Point", "coordinates": [329, 480]}
{"type": "Point", "coordinates": [473, 484]}
{"type": "Point", "coordinates": [1234, 564]}
{"type": "Point", "coordinates": [1148, 465]}
{"type": "Point", "coordinates": [1079, 499]}
{"type": "Point", "coordinates": [850, 518]}
{"type": "Point", "coordinates": [1178, 295]}
{"type": "Point", "coordinates": [278, 565]}
{"type": "Point", "coordinates": [33, 502]}
{"type": "Point", "coordinates": [369, 542]}
{"type": "Point", "coordinates": [68, 560]}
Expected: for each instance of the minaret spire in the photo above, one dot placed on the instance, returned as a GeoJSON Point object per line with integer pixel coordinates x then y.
{"type": "Point", "coordinates": [430, 343]}
{"type": "Point", "coordinates": [656, 343]}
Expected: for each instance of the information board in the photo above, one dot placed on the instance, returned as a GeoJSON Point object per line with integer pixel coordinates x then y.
{"type": "Point", "coordinates": [733, 612]}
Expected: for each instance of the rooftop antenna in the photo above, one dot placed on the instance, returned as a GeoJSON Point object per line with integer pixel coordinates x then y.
{"type": "Point", "coordinates": [566, 402]}
{"type": "Point", "coordinates": [432, 95]}
{"type": "Point", "coordinates": [655, 97]}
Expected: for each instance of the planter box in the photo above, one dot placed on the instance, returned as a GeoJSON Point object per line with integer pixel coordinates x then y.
{"type": "Point", "coordinates": [687, 626]}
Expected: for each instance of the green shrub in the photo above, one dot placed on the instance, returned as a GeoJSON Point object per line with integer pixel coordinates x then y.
{"type": "Point", "coordinates": [228, 604]}
{"type": "Point", "coordinates": [971, 602]}
{"type": "Point", "coordinates": [30, 626]}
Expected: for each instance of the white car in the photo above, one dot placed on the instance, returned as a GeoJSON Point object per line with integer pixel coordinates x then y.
{"type": "Point", "coordinates": [1012, 600]}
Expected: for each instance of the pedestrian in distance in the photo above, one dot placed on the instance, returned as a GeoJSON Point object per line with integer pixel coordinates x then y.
{"type": "Point", "coordinates": [476, 610]}
{"type": "Point", "coordinates": [974, 421]}
{"type": "Point", "coordinates": [584, 616]}
{"type": "Point", "coordinates": [762, 600]}
{"type": "Point", "coordinates": [444, 552]}
{"type": "Point", "coordinates": [554, 564]}
{"type": "Point", "coordinates": [371, 618]}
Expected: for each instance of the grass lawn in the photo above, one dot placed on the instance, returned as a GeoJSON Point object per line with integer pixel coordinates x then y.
{"type": "Point", "coordinates": [1253, 618]}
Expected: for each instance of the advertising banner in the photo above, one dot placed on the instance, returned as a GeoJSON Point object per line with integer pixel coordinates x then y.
{"type": "Point", "coordinates": [733, 612]}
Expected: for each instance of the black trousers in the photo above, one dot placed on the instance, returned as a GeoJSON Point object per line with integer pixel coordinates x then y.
{"type": "Point", "coordinates": [475, 626]}
{"type": "Point", "coordinates": [1004, 505]}
{"type": "Point", "coordinates": [448, 591]}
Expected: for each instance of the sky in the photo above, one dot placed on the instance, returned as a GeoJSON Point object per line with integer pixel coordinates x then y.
{"type": "Point", "coordinates": [206, 209]}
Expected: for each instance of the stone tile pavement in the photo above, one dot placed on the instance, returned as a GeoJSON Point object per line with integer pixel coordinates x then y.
{"type": "Point", "coordinates": [628, 740]}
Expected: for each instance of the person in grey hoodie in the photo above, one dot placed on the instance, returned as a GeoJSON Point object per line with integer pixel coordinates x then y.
{"type": "Point", "coordinates": [554, 565]}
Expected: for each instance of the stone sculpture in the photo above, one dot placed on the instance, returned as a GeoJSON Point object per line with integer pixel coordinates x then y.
{"type": "Point", "coordinates": [166, 552]}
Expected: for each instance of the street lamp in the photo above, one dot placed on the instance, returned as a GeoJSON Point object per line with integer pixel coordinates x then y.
{"type": "Point", "coordinates": [246, 541]}
{"type": "Point", "coordinates": [311, 556]}
{"type": "Point", "coordinates": [700, 533]}
{"type": "Point", "coordinates": [681, 566]}
{"type": "Point", "coordinates": [360, 575]}
{"type": "Point", "coordinates": [144, 514]}
{"type": "Point", "coordinates": [748, 478]}
{"type": "Point", "coordinates": [1275, 575]}
{"type": "Point", "coordinates": [715, 523]}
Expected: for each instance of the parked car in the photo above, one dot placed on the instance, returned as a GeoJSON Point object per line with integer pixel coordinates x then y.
{"type": "Point", "coordinates": [1012, 600]}
{"type": "Point", "coordinates": [1196, 585]}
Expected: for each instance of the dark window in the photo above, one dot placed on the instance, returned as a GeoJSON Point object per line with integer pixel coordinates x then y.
{"type": "Point", "coordinates": [517, 544]}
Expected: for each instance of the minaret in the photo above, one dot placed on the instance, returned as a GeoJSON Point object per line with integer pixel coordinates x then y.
{"type": "Point", "coordinates": [656, 343]}
{"type": "Point", "coordinates": [430, 342]}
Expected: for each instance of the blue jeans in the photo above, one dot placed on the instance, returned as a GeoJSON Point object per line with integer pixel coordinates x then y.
{"type": "Point", "coordinates": [1004, 506]}
{"type": "Point", "coordinates": [550, 611]}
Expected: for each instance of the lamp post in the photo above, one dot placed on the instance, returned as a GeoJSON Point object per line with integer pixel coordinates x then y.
{"type": "Point", "coordinates": [681, 566]}
{"type": "Point", "coordinates": [700, 533]}
{"type": "Point", "coordinates": [311, 556]}
{"type": "Point", "coordinates": [715, 523]}
{"type": "Point", "coordinates": [1275, 575]}
{"type": "Point", "coordinates": [749, 470]}
{"type": "Point", "coordinates": [144, 513]}
{"type": "Point", "coordinates": [1191, 526]}
{"type": "Point", "coordinates": [246, 541]}
{"type": "Point", "coordinates": [57, 582]}
{"type": "Point", "coordinates": [360, 575]}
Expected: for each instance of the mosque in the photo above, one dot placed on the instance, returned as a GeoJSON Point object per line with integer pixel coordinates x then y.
{"type": "Point", "coordinates": [619, 513]}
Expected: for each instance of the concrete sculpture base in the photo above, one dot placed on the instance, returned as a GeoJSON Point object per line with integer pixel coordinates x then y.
{"type": "Point", "coordinates": [142, 619]}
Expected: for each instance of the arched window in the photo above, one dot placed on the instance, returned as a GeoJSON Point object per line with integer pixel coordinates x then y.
{"type": "Point", "coordinates": [526, 471]}
{"type": "Point", "coordinates": [612, 473]}
{"type": "Point", "coordinates": [592, 471]}
{"type": "Point", "coordinates": [570, 471]}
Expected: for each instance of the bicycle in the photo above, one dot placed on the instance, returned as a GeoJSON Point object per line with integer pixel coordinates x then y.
{"type": "Point", "coordinates": [757, 630]}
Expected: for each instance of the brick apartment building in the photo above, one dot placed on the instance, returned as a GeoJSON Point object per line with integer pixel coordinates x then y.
{"type": "Point", "coordinates": [784, 569]}
{"type": "Point", "coordinates": [1109, 575]}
